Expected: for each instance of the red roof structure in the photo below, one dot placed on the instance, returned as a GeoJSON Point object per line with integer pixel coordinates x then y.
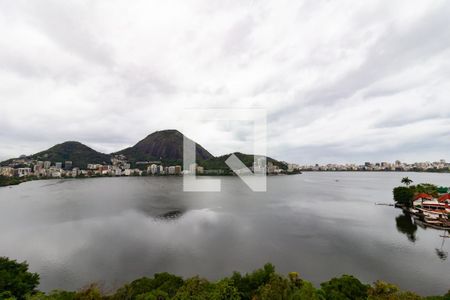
{"type": "Point", "coordinates": [423, 196]}
{"type": "Point", "coordinates": [444, 197]}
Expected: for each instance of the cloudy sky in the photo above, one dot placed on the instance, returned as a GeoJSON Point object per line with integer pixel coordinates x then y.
{"type": "Point", "coordinates": [341, 82]}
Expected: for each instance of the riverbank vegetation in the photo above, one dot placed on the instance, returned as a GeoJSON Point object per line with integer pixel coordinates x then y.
{"type": "Point", "coordinates": [404, 195]}
{"type": "Point", "coordinates": [5, 181]}
{"type": "Point", "coordinates": [17, 283]}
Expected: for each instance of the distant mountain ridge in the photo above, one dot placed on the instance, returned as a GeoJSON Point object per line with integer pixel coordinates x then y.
{"type": "Point", "coordinates": [164, 145]}
{"type": "Point", "coordinates": [78, 153]}
{"type": "Point", "coordinates": [217, 163]}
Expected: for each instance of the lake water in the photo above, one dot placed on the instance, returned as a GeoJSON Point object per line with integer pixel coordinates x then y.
{"type": "Point", "coordinates": [113, 230]}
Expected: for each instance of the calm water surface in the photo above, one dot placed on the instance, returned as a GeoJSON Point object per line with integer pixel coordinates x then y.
{"type": "Point", "coordinates": [113, 230]}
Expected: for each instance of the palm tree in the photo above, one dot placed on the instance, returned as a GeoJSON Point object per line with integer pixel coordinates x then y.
{"type": "Point", "coordinates": [406, 181]}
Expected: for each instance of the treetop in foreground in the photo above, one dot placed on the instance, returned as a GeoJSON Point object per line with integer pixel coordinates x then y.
{"type": "Point", "coordinates": [16, 282]}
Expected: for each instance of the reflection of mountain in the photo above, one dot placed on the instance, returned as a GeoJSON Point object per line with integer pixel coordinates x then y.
{"type": "Point", "coordinates": [440, 252]}
{"type": "Point", "coordinates": [406, 225]}
{"type": "Point", "coordinates": [171, 215]}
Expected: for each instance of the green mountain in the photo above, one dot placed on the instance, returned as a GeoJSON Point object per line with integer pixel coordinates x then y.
{"type": "Point", "coordinates": [217, 163]}
{"type": "Point", "coordinates": [79, 154]}
{"type": "Point", "coordinates": [164, 145]}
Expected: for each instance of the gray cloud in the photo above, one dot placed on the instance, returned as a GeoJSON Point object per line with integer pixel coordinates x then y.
{"type": "Point", "coordinates": [340, 81]}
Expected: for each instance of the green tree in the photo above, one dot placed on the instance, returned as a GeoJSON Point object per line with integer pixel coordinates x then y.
{"type": "Point", "coordinates": [92, 292]}
{"type": "Point", "coordinates": [164, 282]}
{"type": "Point", "coordinates": [343, 288]}
{"type": "Point", "coordinates": [406, 181]}
{"type": "Point", "coordinates": [194, 288]}
{"type": "Point", "coordinates": [386, 291]}
{"type": "Point", "coordinates": [278, 288]}
{"type": "Point", "coordinates": [403, 195]}
{"type": "Point", "coordinates": [168, 283]}
{"type": "Point", "coordinates": [382, 290]}
{"type": "Point", "coordinates": [306, 292]}
{"type": "Point", "coordinates": [153, 295]}
{"type": "Point", "coordinates": [426, 188]}
{"type": "Point", "coordinates": [248, 284]}
{"type": "Point", "coordinates": [295, 280]}
{"type": "Point", "coordinates": [54, 295]}
{"type": "Point", "coordinates": [225, 290]}
{"type": "Point", "coordinates": [15, 280]}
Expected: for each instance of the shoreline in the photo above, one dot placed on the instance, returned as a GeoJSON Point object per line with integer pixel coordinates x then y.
{"type": "Point", "coordinates": [380, 171]}
{"type": "Point", "coordinates": [420, 221]}
{"type": "Point", "coordinates": [20, 181]}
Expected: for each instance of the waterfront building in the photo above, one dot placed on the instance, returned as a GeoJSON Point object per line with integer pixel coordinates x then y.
{"type": "Point", "coordinates": [7, 171]}
{"type": "Point", "coordinates": [56, 174]}
{"type": "Point", "coordinates": [37, 169]}
{"type": "Point", "coordinates": [200, 170]}
{"type": "Point", "coordinates": [75, 172]}
{"type": "Point", "coordinates": [68, 165]}
{"type": "Point", "coordinates": [294, 167]}
{"type": "Point", "coordinates": [21, 172]}
{"type": "Point", "coordinates": [271, 168]}
{"type": "Point", "coordinates": [177, 170]}
{"type": "Point", "coordinates": [93, 166]}
{"type": "Point", "coordinates": [153, 169]}
{"type": "Point", "coordinates": [171, 170]}
{"type": "Point", "coordinates": [192, 168]}
{"type": "Point", "coordinates": [444, 198]}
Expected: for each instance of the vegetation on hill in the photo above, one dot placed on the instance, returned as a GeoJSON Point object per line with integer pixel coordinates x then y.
{"type": "Point", "coordinates": [4, 181]}
{"type": "Point", "coordinates": [164, 145]}
{"type": "Point", "coordinates": [15, 280]}
{"type": "Point", "coordinates": [218, 163]}
{"type": "Point", "coordinates": [404, 195]}
{"type": "Point", "coordinates": [263, 284]}
{"type": "Point", "coordinates": [78, 153]}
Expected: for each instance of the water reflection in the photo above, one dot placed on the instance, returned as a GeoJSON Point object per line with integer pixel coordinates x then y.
{"type": "Point", "coordinates": [170, 215]}
{"type": "Point", "coordinates": [115, 230]}
{"type": "Point", "coordinates": [406, 225]}
{"type": "Point", "coordinates": [440, 252]}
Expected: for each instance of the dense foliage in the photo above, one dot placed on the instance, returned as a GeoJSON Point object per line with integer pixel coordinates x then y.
{"type": "Point", "coordinates": [161, 145]}
{"type": "Point", "coordinates": [79, 154]}
{"type": "Point", "coordinates": [263, 284]}
{"type": "Point", "coordinates": [15, 280]}
{"type": "Point", "coordinates": [218, 163]}
{"type": "Point", "coordinates": [426, 188]}
{"type": "Point", "coordinates": [4, 181]}
{"type": "Point", "coordinates": [404, 195]}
